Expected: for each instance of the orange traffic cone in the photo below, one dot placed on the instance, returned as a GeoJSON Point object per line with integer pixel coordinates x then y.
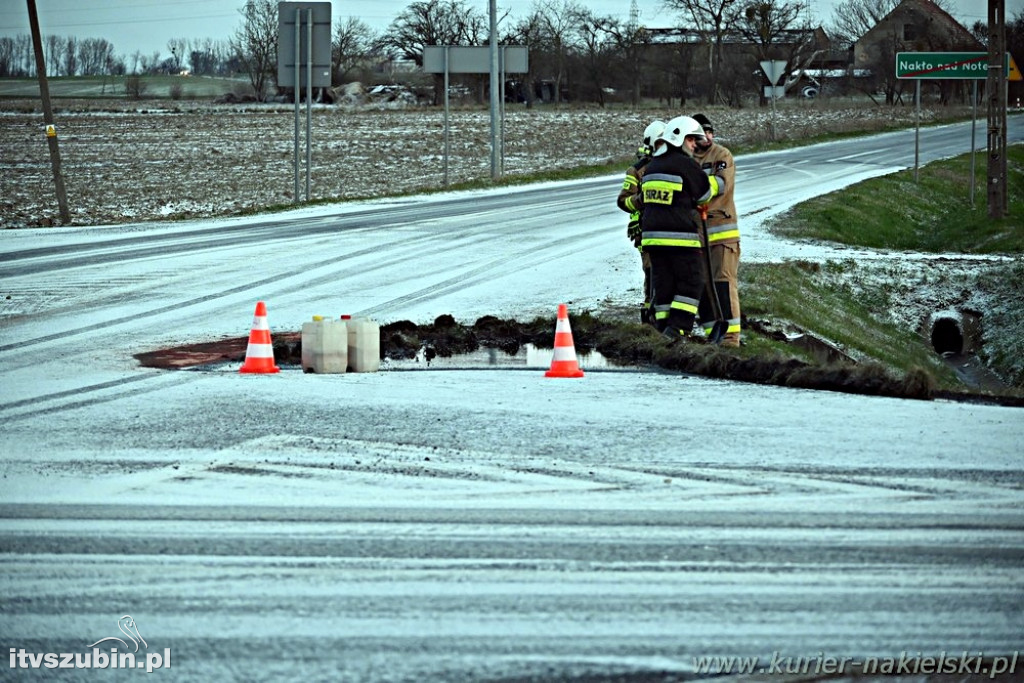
{"type": "Point", "coordinates": [259, 356]}
{"type": "Point", "coordinates": [563, 363]}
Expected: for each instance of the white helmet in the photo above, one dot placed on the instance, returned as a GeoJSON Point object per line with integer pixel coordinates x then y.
{"type": "Point", "coordinates": [677, 130]}
{"type": "Point", "coordinates": [653, 131]}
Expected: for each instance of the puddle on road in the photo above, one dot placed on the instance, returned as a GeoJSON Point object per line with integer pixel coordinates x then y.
{"type": "Point", "coordinates": [528, 357]}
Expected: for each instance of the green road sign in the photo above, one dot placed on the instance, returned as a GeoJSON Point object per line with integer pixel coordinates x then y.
{"type": "Point", "coordinates": [965, 65]}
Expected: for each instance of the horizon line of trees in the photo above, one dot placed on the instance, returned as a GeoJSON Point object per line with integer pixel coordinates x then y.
{"type": "Point", "coordinates": [574, 53]}
{"type": "Point", "coordinates": [72, 56]}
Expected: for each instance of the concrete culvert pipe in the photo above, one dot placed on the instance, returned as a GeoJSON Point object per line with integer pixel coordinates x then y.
{"type": "Point", "coordinates": [947, 335]}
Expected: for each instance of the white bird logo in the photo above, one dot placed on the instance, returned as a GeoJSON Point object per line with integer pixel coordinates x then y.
{"type": "Point", "coordinates": [128, 627]}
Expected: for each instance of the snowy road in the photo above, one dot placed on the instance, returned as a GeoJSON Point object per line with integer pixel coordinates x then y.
{"type": "Point", "coordinates": [469, 524]}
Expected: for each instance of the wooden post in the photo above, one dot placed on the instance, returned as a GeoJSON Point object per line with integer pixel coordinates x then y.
{"type": "Point", "coordinates": [51, 128]}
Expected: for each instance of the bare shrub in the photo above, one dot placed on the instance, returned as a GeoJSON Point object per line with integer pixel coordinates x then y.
{"type": "Point", "coordinates": [134, 87]}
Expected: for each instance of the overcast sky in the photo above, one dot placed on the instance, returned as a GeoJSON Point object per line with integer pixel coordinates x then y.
{"type": "Point", "coordinates": [147, 25]}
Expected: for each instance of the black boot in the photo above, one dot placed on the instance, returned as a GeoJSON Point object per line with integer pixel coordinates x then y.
{"type": "Point", "coordinates": [672, 335]}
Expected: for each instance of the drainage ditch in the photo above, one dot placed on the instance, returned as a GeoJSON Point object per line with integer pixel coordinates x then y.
{"type": "Point", "coordinates": [599, 344]}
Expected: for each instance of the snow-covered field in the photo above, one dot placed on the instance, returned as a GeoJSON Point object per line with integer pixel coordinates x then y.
{"type": "Point", "coordinates": [136, 161]}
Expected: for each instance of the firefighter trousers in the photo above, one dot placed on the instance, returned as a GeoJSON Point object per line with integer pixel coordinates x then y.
{"type": "Point", "coordinates": [677, 276]}
{"type": "Point", "coordinates": [725, 260]}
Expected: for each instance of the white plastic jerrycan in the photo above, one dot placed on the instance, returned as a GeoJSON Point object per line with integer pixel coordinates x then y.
{"type": "Point", "coordinates": [363, 344]}
{"type": "Point", "coordinates": [324, 346]}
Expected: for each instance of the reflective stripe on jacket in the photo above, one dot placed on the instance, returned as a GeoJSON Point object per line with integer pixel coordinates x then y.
{"type": "Point", "coordinates": [629, 196]}
{"type": "Point", "coordinates": [672, 186]}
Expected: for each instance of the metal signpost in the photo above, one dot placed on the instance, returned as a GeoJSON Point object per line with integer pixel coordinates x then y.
{"type": "Point", "coordinates": [774, 69]}
{"type": "Point", "coordinates": [454, 59]}
{"type": "Point", "coordinates": [316, 16]}
{"type": "Point", "coordinates": [919, 66]}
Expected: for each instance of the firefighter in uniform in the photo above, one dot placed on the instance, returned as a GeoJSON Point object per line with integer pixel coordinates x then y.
{"type": "Point", "coordinates": [629, 201]}
{"type": "Point", "coordinates": [723, 238]}
{"type": "Point", "coordinates": [673, 186]}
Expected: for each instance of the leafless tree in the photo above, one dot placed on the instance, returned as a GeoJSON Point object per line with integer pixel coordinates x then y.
{"type": "Point", "coordinates": [778, 30]}
{"type": "Point", "coordinates": [254, 43]}
{"type": "Point", "coordinates": [94, 56]}
{"type": "Point", "coordinates": [632, 43]}
{"type": "Point", "coordinates": [448, 22]}
{"type": "Point", "coordinates": [352, 45]}
{"type": "Point", "coordinates": [134, 87]}
{"type": "Point", "coordinates": [714, 19]}
{"type": "Point", "coordinates": [678, 66]}
{"type": "Point", "coordinates": [70, 63]}
{"type": "Point", "coordinates": [207, 56]}
{"type": "Point", "coordinates": [147, 63]}
{"type": "Point", "coordinates": [597, 53]}
{"type": "Point", "coordinates": [853, 18]}
{"type": "Point", "coordinates": [433, 22]}
{"type": "Point", "coordinates": [1015, 36]}
{"type": "Point", "coordinates": [53, 47]}
{"type": "Point", "coordinates": [7, 65]}
{"type": "Point", "coordinates": [16, 57]}
{"type": "Point", "coordinates": [179, 49]}
{"type": "Point", "coordinates": [528, 32]}
{"type": "Point", "coordinates": [559, 21]}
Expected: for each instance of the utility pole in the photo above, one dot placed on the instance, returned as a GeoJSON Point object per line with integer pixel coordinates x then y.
{"type": "Point", "coordinates": [996, 91]}
{"type": "Point", "coordinates": [51, 129]}
{"type": "Point", "coordinates": [495, 94]}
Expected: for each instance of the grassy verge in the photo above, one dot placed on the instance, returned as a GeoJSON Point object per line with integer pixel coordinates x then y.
{"type": "Point", "coordinates": [880, 310]}
{"type": "Point", "coordinates": [159, 86]}
{"type": "Point", "coordinates": [933, 214]}
{"type": "Point", "coordinates": [807, 296]}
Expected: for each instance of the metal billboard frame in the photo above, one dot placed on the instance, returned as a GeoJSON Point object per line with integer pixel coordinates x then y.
{"type": "Point", "coordinates": [462, 59]}
{"type": "Point", "coordinates": [316, 68]}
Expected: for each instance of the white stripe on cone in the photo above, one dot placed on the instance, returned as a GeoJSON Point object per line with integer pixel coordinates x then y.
{"type": "Point", "coordinates": [564, 353]}
{"type": "Point", "coordinates": [260, 351]}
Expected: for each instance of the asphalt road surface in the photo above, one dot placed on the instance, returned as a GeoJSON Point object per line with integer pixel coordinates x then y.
{"type": "Point", "coordinates": [409, 594]}
{"type": "Point", "coordinates": [471, 524]}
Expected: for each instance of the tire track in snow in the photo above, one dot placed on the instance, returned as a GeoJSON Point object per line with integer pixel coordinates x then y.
{"type": "Point", "coordinates": [411, 245]}
{"type": "Point", "coordinates": [538, 218]}
{"type": "Point", "coordinates": [90, 395]}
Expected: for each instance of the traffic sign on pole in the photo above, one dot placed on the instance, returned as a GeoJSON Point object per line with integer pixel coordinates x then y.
{"type": "Point", "coordinates": [929, 65]}
{"type": "Point", "coordinates": [773, 69]}
{"type": "Point", "coordinates": [293, 45]}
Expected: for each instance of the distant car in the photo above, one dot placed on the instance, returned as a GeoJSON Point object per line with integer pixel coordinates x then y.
{"type": "Point", "coordinates": [807, 85]}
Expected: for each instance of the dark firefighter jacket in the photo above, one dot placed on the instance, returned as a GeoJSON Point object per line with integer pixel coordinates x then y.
{"type": "Point", "coordinates": [673, 185]}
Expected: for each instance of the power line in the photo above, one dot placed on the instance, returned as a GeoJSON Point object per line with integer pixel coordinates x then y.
{"type": "Point", "coordinates": [121, 22]}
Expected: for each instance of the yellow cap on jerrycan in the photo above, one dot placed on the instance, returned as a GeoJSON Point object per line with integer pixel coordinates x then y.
{"type": "Point", "coordinates": [324, 346]}
{"type": "Point", "coordinates": [363, 344]}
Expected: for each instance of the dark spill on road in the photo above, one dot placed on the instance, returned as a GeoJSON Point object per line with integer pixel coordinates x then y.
{"type": "Point", "coordinates": [623, 344]}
